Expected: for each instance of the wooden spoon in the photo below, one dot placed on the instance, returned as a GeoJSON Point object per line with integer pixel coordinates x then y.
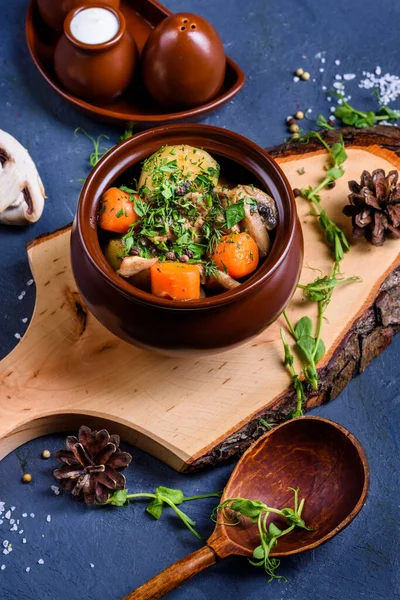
{"type": "Point", "coordinates": [320, 457]}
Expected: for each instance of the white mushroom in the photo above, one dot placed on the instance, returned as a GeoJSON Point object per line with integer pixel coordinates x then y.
{"type": "Point", "coordinates": [21, 189]}
{"type": "Point", "coordinates": [261, 215]}
{"type": "Point", "coordinates": [133, 265]}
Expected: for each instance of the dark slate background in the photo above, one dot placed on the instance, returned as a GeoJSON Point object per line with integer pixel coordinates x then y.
{"type": "Point", "coordinates": [269, 40]}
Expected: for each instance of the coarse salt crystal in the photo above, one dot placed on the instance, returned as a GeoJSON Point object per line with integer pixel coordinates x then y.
{"type": "Point", "coordinates": [309, 110]}
{"type": "Point", "coordinates": [8, 515]}
{"type": "Point", "coordinates": [2, 506]}
{"type": "Point", "coordinates": [48, 518]}
{"type": "Point", "coordinates": [14, 527]}
{"type": "Point", "coordinates": [323, 60]}
{"type": "Point", "coordinates": [32, 515]}
{"type": "Point", "coordinates": [17, 335]}
{"type": "Point", "coordinates": [1, 521]}
{"type": "Point", "coordinates": [40, 561]}
{"type": "Point", "coordinates": [378, 71]}
{"type": "Point", "coordinates": [340, 101]}
{"type": "Point", "coordinates": [338, 85]}
{"type": "Point", "coordinates": [296, 79]}
{"type": "Point", "coordinates": [12, 521]}
{"type": "Point", "coordinates": [329, 98]}
{"type": "Point", "coordinates": [13, 508]}
{"type": "Point", "coordinates": [27, 569]}
{"type": "Point", "coordinates": [5, 551]}
{"type": "Point", "coordinates": [29, 282]}
{"type": "Point", "coordinates": [24, 540]}
{"type": "Point", "coordinates": [5, 544]}
{"type": "Point", "coordinates": [92, 565]}
{"type": "Point", "coordinates": [321, 70]}
{"type": "Point", "coordinates": [338, 77]}
{"type": "Point", "coordinates": [3, 567]}
{"type": "Point", "coordinates": [323, 88]}
{"type": "Point", "coordinates": [337, 62]}
{"type": "Point", "coordinates": [24, 320]}
{"type": "Point", "coordinates": [332, 109]}
{"type": "Point", "coordinates": [349, 76]}
{"type": "Point", "coordinates": [22, 294]}
{"type": "Point", "coordinates": [24, 515]}
{"type": "Point", "coordinates": [55, 489]}
{"type": "Point", "coordinates": [21, 531]}
{"type": "Point", "coordinates": [388, 85]}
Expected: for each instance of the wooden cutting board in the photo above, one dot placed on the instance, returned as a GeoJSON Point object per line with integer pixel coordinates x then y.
{"type": "Point", "coordinates": [193, 412]}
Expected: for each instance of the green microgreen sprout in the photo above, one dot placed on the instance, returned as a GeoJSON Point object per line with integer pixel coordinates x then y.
{"type": "Point", "coordinates": [234, 509]}
{"type": "Point", "coordinates": [162, 497]}
{"type": "Point", "coordinates": [310, 348]}
{"type": "Point", "coordinates": [99, 150]}
{"type": "Point", "coordinates": [359, 119]}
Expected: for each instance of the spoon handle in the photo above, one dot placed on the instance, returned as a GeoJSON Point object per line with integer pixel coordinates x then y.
{"type": "Point", "coordinates": [173, 576]}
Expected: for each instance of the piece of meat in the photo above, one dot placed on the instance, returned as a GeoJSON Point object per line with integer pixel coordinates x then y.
{"type": "Point", "coordinates": [202, 212]}
{"type": "Point", "coordinates": [132, 265]}
{"type": "Point", "coordinates": [222, 280]}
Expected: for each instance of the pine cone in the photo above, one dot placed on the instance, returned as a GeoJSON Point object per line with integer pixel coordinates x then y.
{"type": "Point", "coordinates": [375, 206]}
{"type": "Point", "coordinates": [93, 462]}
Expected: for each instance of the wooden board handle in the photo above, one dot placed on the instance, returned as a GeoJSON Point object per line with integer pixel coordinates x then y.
{"type": "Point", "coordinates": [173, 576]}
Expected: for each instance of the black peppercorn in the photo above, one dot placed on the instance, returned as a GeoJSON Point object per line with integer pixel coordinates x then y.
{"type": "Point", "coordinates": [296, 192]}
{"type": "Point", "coordinates": [170, 256]}
{"type": "Point", "coordinates": [135, 251]}
{"type": "Point", "coordinates": [189, 253]}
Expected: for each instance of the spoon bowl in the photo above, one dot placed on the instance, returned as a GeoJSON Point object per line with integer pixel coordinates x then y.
{"type": "Point", "coordinates": [318, 456]}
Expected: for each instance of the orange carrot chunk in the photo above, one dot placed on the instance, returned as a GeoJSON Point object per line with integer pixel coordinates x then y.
{"type": "Point", "coordinates": [176, 281]}
{"type": "Point", "coordinates": [236, 254]}
{"type": "Point", "coordinates": [117, 211]}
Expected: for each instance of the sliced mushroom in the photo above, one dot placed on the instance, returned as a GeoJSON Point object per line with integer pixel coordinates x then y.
{"type": "Point", "coordinates": [261, 215]}
{"type": "Point", "coordinates": [21, 189]}
{"type": "Point", "coordinates": [133, 265]}
{"type": "Point", "coordinates": [222, 280]}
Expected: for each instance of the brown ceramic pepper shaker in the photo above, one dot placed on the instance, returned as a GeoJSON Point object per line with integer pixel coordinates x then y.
{"type": "Point", "coordinates": [96, 56]}
{"type": "Point", "coordinates": [53, 12]}
{"type": "Point", "coordinates": [183, 61]}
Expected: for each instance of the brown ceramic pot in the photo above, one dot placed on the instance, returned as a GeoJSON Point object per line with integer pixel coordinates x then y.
{"type": "Point", "coordinates": [208, 325]}
{"type": "Point", "coordinates": [53, 12]}
{"type": "Point", "coordinates": [183, 61]}
{"type": "Point", "coordinates": [98, 73]}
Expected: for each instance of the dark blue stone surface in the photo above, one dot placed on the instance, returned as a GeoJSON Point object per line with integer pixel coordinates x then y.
{"type": "Point", "coordinates": [269, 40]}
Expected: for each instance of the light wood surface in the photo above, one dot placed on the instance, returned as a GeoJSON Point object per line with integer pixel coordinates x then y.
{"type": "Point", "coordinates": [69, 370]}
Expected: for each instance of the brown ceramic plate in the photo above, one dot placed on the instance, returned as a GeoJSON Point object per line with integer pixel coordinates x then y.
{"type": "Point", "coordinates": [141, 17]}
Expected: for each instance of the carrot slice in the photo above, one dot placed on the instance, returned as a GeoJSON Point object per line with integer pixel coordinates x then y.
{"type": "Point", "coordinates": [176, 281]}
{"type": "Point", "coordinates": [117, 211]}
{"type": "Point", "coordinates": [236, 254]}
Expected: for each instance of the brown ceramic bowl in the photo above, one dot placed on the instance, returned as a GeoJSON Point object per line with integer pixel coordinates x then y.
{"type": "Point", "coordinates": [212, 324]}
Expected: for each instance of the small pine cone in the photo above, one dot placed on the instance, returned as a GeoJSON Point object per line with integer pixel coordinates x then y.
{"type": "Point", "coordinates": [91, 465]}
{"type": "Point", "coordinates": [375, 206]}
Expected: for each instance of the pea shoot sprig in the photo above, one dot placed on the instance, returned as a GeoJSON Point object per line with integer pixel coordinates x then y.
{"type": "Point", "coordinates": [334, 235]}
{"type": "Point", "coordinates": [359, 119]}
{"type": "Point", "coordinates": [311, 348]}
{"type": "Point", "coordinates": [162, 497]}
{"type": "Point", "coordinates": [234, 509]}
